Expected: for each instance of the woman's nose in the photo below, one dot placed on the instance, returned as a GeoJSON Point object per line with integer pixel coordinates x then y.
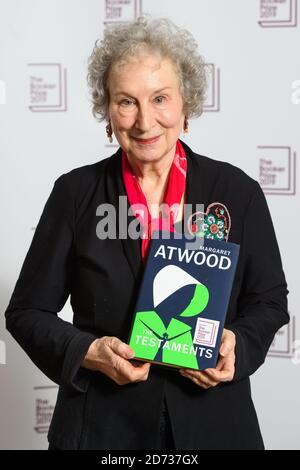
{"type": "Point", "coordinates": [144, 119]}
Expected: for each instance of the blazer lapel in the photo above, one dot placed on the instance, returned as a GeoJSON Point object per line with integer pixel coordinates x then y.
{"type": "Point", "coordinates": [115, 188]}
{"type": "Point", "coordinates": [195, 180]}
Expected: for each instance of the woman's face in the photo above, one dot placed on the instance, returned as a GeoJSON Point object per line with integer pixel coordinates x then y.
{"type": "Point", "coordinates": [145, 102]}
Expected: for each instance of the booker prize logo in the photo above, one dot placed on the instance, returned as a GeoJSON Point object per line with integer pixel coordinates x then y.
{"type": "Point", "coordinates": [45, 398]}
{"type": "Point", "coordinates": [278, 13]}
{"type": "Point", "coordinates": [121, 11]}
{"type": "Point", "coordinates": [47, 87]}
{"type": "Point", "coordinates": [212, 102]}
{"type": "Point", "coordinates": [284, 342]}
{"type": "Point", "coordinates": [277, 170]}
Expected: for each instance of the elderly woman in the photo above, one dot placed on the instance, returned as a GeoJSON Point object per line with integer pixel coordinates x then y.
{"type": "Point", "coordinates": [147, 79]}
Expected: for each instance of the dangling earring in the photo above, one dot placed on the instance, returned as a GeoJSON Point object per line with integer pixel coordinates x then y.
{"type": "Point", "coordinates": [186, 125]}
{"type": "Point", "coordinates": [109, 132]}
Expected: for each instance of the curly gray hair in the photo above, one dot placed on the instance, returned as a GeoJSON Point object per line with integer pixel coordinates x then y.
{"type": "Point", "coordinates": [159, 35]}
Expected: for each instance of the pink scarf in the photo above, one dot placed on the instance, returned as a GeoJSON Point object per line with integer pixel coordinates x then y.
{"type": "Point", "coordinates": [174, 190]}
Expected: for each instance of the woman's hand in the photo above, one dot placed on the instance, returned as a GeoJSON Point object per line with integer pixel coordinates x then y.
{"type": "Point", "coordinates": [110, 355]}
{"type": "Point", "coordinates": [224, 370]}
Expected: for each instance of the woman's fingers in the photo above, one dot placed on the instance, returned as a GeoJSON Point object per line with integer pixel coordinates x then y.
{"type": "Point", "coordinates": [124, 372]}
{"type": "Point", "coordinates": [199, 378]}
{"type": "Point", "coordinates": [224, 372]}
{"type": "Point", "coordinates": [224, 375]}
{"type": "Point", "coordinates": [227, 342]}
{"type": "Point", "coordinates": [115, 355]}
{"type": "Point", "coordinates": [120, 348]}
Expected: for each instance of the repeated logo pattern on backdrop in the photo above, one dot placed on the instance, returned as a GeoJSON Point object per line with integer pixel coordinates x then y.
{"type": "Point", "coordinates": [47, 88]}
{"type": "Point", "coordinates": [277, 164]}
{"type": "Point", "coordinates": [277, 170]}
{"type": "Point", "coordinates": [120, 11]}
{"type": "Point", "coordinates": [45, 397]}
{"type": "Point", "coordinates": [47, 84]}
{"type": "Point", "coordinates": [283, 344]}
{"type": "Point", "coordinates": [213, 100]}
{"type": "Point", "coordinates": [278, 13]}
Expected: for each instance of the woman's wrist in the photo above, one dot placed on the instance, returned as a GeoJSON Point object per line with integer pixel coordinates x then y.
{"type": "Point", "coordinates": [91, 357]}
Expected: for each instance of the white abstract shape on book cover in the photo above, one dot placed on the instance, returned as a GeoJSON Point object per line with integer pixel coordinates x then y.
{"type": "Point", "coordinates": [168, 280]}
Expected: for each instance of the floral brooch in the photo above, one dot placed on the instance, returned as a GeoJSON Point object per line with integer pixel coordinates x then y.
{"type": "Point", "coordinates": [215, 223]}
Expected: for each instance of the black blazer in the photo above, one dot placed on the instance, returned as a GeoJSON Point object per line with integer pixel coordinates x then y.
{"type": "Point", "coordinates": [102, 278]}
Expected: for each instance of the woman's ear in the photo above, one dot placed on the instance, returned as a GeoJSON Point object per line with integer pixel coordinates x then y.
{"type": "Point", "coordinates": [109, 131]}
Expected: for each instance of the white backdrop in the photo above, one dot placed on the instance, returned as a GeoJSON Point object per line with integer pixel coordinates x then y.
{"type": "Point", "coordinates": [251, 119]}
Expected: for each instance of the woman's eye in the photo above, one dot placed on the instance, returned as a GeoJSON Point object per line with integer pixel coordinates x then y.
{"type": "Point", "coordinates": [160, 99]}
{"type": "Point", "coordinates": [126, 103]}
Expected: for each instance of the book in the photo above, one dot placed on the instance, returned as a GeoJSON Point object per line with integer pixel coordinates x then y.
{"type": "Point", "coordinates": [183, 299]}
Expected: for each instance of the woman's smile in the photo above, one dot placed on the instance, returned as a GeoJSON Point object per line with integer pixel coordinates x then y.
{"type": "Point", "coordinates": [144, 142]}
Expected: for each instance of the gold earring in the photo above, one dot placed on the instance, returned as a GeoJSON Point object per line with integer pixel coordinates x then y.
{"type": "Point", "coordinates": [109, 132]}
{"type": "Point", "coordinates": [186, 125]}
